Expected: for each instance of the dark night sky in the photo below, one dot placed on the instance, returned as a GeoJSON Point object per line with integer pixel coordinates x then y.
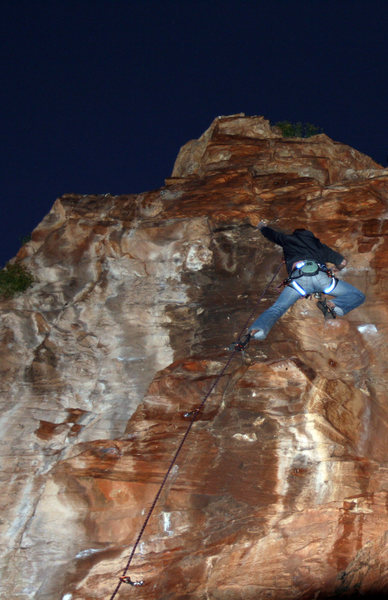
{"type": "Point", "coordinates": [99, 95]}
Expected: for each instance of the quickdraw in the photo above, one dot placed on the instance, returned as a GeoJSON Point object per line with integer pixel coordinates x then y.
{"type": "Point", "coordinates": [192, 413]}
{"type": "Point", "coordinates": [241, 344]}
{"type": "Point", "coordinates": [127, 579]}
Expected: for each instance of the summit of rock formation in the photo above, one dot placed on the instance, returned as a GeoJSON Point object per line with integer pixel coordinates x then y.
{"type": "Point", "coordinates": [280, 490]}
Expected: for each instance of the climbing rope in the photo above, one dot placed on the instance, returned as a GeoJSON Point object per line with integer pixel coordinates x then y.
{"type": "Point", "coordinates": [193, 416]}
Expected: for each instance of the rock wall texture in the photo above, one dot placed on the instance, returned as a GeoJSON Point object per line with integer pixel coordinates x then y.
{"type": "Point", "coordinates": [280, 490]}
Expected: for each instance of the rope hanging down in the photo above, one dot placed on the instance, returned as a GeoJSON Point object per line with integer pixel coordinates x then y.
{"type": "Point", "coordinates": [193, 416]}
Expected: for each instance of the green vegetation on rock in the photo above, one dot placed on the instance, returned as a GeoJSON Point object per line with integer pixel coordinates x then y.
{"type": "Point", "coordinates": [298, 129]}
{"type": "Point", "coordinates": [14, 279]}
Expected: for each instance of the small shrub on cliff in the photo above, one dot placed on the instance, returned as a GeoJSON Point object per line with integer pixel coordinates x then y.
{"type": "Point", "coordinates": [24, 239]}
{"type": "Point", "coordinates": [14, 279]}
{"type": "Point", "coordinates": [298, 129]}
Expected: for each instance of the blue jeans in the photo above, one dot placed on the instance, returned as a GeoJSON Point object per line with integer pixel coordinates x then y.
{"type": "Point", "coordinates": [346, 296]}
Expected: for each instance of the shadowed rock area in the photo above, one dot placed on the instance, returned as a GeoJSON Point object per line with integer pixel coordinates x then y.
{"type": "Point", "coordinates": [280, 490]}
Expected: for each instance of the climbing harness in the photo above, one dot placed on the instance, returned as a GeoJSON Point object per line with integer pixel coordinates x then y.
{"type": "Point", "coordinates": [192, 415]}
{"type": "Point", "coordinates": [309, 268]}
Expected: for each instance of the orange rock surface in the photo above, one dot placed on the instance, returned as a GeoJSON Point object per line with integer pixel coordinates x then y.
{"type": "Point", "coordinates": [280, 490]}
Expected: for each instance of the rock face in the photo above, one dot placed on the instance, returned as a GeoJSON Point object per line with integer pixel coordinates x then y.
{"type": "Point", "coordinates": [280, 489]}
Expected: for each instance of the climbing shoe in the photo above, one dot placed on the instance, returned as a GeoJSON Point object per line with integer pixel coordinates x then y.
{"type": "Point", "coordinates": [328, 311]}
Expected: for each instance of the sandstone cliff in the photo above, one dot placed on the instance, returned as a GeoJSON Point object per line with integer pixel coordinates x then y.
{"type": "Point", "coordinates": [281, 488]}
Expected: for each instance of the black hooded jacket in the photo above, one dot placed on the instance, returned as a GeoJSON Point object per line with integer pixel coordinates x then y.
{"type": "Point", "coordinates": [302, 244]}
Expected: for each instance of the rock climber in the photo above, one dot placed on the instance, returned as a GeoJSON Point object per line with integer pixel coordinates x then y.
{"type": "Point", "coordinates": [306, 257]}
